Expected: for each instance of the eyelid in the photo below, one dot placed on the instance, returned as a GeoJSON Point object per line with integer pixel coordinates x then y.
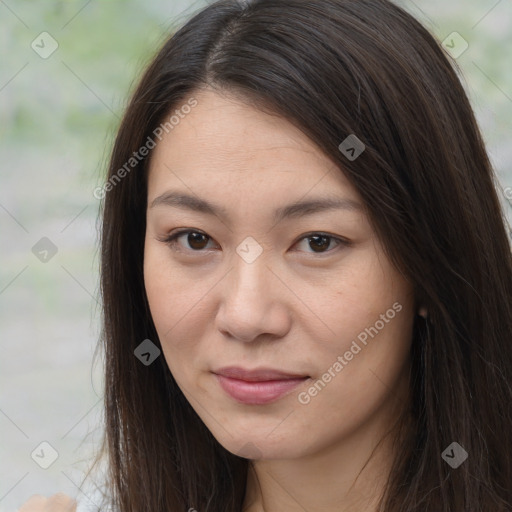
{"type": "Point", "coordinates": [171, 239]}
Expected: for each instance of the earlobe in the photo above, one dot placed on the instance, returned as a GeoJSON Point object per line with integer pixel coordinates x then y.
{"type": "Point", "coordinates": [423, 312]}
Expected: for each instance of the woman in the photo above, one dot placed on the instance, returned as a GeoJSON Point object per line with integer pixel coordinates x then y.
{"type": "Point", "coordinates": [306, 274]}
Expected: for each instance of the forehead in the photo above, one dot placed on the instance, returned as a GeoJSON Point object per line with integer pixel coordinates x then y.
{"type": "Point", "coordinates": [224, 143]}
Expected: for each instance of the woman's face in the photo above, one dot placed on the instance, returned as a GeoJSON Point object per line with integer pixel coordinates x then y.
{"type": "Point", "coordinates": [247, 288]}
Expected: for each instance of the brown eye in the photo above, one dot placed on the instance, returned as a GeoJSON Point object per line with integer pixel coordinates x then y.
{"type": "Point", "coordinates": [320, 243]}
{"type": "Point", "coordinates": [195, 241]}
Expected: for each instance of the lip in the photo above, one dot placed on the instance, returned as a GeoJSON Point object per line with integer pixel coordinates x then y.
{"type": "Point", "coordinates": [259, 386]}
{"type": "Point", "coordinates": [257, 375]}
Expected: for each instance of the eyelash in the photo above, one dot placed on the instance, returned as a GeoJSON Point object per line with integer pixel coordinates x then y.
{"type": "Point", "coordinates": [171, 241]}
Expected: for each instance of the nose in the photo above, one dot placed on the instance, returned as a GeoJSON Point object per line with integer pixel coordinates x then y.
{"type": "Point", "coordinates": [253, 302]}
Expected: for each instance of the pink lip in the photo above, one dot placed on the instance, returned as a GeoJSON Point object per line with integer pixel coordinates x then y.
{"type": "Point", "coordinates": [257, 387]}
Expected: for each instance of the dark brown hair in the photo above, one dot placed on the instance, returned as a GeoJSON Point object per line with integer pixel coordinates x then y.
{"type": "Point", "coordinates": [333, 68]}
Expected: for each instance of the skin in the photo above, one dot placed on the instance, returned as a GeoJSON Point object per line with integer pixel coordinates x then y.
{"type": "Point", "coordinates": [59, 502]}
{"type": "Point", "coordinates": [292, 308]}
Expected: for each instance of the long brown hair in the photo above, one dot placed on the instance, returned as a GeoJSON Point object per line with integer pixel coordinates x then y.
{"type": "Point", "coordinates": [333, 68]}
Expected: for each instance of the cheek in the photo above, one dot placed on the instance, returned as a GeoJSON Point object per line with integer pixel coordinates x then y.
{"type": "Point", "coordinates": [369, 312]}
{"type": "Point", "coordinates": [368, 345]}
{"type": "Point", "coordinates": [170, 291]}
{"type": "Point", "coordinates": [175, 305]}
{"type": "Point", "coordinates": [356, 380]}
{"type": "Point", "coordinates": [344, 307]}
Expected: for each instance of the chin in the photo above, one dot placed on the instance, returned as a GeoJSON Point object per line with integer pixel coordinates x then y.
{"type": "Point", "coordinates": [256, 447]}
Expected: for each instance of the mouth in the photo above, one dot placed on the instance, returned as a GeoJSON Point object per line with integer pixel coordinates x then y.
{"type": "Point", "coordinates": [257, 387]}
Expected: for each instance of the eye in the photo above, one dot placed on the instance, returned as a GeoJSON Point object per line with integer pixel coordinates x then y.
{"type": "Point", "coordinates": [319, 242]}
{"type": "Point", "coordinates": [197, 241]}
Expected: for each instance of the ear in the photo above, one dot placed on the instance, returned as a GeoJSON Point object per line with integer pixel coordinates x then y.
{"type": "Point", "coordinates": [422, 311]}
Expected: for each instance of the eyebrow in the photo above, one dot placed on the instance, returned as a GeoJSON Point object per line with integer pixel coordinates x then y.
{"type": "Point", "coordinates": [294, 210]}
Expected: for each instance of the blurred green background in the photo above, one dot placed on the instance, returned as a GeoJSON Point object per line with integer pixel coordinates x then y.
{"type": "Point", "coordinates": [58, 117]}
